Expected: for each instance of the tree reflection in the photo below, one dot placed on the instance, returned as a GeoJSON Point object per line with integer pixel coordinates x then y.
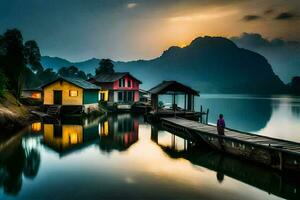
{"type": "Point", "coordinates": [14, 162]}
{"type": "Point", "coordinates": [32, 164]}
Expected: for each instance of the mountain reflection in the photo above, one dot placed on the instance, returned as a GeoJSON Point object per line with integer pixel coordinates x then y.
{"type": "Point", "coordinates": [241, 112]}
{"type": "Point", "coordinates": [296, 110]}
{"type": "Point", "coordinates": [270, 181]}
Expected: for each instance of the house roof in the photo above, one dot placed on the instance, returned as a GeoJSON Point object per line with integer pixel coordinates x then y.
{"type": "Point", "coordinates": [78, 82]}
{"type": "Point", "coordinates": [170, 87]}
{"type": "Point", "coordinates": [143, 91]}
{"type": "Point", "coordinates": [108, 78]}
{"type": "Point", "coordinates": [39, 89]}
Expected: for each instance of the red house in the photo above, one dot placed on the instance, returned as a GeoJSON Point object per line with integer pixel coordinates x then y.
{"type": "Point", "coordinates": [118, 87]}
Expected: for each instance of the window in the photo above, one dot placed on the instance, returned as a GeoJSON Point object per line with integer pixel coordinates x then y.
{"type": "Point", "coordinates": [36, 95]}
{"type": "Point", "coordinates": [130, 96]}
{"type": "Point", "coordinates": [129, 83]}
{"type": "Point", "coordinates": [122, 82]}
{"type": "Point", "coordinates": [120, 96]}
{"type": "Point", "coordinates": [73, 93]}
{"type": "Point", "coordinates": [125, 96]}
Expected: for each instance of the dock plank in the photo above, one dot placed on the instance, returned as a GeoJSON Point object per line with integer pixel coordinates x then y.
{"type": "Point", "coordinates": [244, 137]}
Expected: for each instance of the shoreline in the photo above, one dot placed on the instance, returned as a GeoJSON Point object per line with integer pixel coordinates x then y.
{"type": "Point", "coordinates": [14, 116]}
{"type": "Point", "coordinates": [12, 123]}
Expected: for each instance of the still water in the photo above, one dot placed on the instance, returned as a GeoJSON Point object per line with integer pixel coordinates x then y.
{"type": "Point", "coordinates": [123, 157]}
{"type": "Point", "coordinates": [274, 116]}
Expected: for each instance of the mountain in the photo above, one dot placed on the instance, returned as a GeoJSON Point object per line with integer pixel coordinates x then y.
{"type": "Point", "coordinates": [283, 55]}
{"type": "Point", "coordinates": [209, 64]}
{"type": "Point", "coordinates": [56, 63]}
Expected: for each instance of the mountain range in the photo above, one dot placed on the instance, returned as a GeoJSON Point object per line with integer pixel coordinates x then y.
{"type": "Point", "coordinates": [209, 64]}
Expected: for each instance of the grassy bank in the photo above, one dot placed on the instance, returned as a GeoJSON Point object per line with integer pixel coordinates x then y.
{"type": "Point", "coordinates": [13, 115]}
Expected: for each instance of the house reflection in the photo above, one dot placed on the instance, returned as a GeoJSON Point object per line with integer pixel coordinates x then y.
{"type": "Point", "coordinates": [112, 132]}
{"type": "Point", "coordinates": [36, 127]}
{"type": "Point", "coordinates": [118, 132]}
{"type": "Point", "coordinates": [70, 136]}
{"type": "Point", "coordinates": [61, 137]}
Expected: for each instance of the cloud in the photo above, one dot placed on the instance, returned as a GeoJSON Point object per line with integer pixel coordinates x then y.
{"type": "Point", "coordinates": [269, 11]}
{"type": "Point", "coordinates": [255, 40]}
{"type": "Point", "coordinates": [249, 18]}
{"type": "Point", "coordinates": [285, 16]}
{"type": "Point", "coordinates": [131, 5]}
{"type": "Point", "coordinates": [283, 55]}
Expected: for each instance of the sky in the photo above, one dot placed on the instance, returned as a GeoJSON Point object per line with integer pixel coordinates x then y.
{"type": "Point", "coordinates": [143, 29]}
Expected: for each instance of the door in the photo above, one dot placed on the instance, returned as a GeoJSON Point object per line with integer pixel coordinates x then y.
{"type": "Point", "coordinates": [57, 97]}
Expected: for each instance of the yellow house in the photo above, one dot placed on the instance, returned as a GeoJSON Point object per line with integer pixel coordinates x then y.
{"type": "Point", "coordinates": [71, 92]}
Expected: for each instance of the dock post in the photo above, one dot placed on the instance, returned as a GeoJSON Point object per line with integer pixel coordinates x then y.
{"type": "Point", "coordinates": [207, 112]}
{"type": "Point", "coordinates": [201, 119]}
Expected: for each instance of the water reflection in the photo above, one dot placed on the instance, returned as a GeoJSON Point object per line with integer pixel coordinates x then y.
{"type": "Point", "coordinates": [296, 110]}
{"type": "Point", "coordinates": [135, 159]}
{"type": "Point", "coordinates": [17, 159]}
{"type": "Point", "coordinates": [270, 181]}
{"type": "Point", "coordinates": [112, 132]}
{"type": "Point", "coordinates": [67, 138]}
{"type": "Point", "coordinates": [245, 113]}
{"type": "Point", "coordinates": [118, 132]}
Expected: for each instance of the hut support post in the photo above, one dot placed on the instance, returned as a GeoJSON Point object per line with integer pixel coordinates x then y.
{"type": "Point", "coordinates": [174, 104]}
{"type": "Point", "coordinates": [201, 114]}
{"type": "Point", "coordinates": [207, 112]}
{"type": "Point", "coordinates": [184, 101]}
{"type": "Point", "coordinates": [189, 102]}
{"type": "Point", "coordinates": [193, 103]}
{"type": "Point", "coordinates": [154, 102]}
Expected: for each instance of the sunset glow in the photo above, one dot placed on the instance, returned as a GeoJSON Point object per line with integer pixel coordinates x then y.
{"type": "Point", "coordinates": [143, 29]}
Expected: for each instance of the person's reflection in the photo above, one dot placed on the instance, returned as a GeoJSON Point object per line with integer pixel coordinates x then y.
{"type": "Point", "coordinates": [220, 175]}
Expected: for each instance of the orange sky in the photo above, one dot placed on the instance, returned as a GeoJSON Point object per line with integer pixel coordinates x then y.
{"type": "Point", "coordinates": [142, 29]}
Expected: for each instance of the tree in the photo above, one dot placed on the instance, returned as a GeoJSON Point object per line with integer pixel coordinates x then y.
{"type": "Point", "coordinates": [13, 61]}
{"type": "Point", "coordinates": [89, 75]}
{"type": "Point", "coordinates": [19, 62]}
{"type": "Point", "coordinates": [105, 67]}
{"type": "Point", "coordinates": [47, 75]}
{"type": "Point", "coordinates": [31, 80]}
{"type": "Point", "coordinates": [72, 72]}
{"type": "Point", "coordinates": [33, 56]}
{"type": "Point", "coordinates": [3, 81]}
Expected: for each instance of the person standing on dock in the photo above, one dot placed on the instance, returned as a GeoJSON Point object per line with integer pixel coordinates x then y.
{"type": "Point", "coordinates": [221, 125]}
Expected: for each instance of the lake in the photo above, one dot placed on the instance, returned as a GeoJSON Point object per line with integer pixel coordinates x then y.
{"type": "Point", "coordinates": [274, 116]}
{"type": "Point", "coordinates": [123, 157]}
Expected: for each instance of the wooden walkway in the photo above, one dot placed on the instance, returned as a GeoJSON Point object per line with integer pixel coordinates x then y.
{"type": "Point", "coordinates": [268, 150]}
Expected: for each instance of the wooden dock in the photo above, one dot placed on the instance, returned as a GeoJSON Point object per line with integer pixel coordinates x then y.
{"type": "Point", "coordinates": [275, 153]}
